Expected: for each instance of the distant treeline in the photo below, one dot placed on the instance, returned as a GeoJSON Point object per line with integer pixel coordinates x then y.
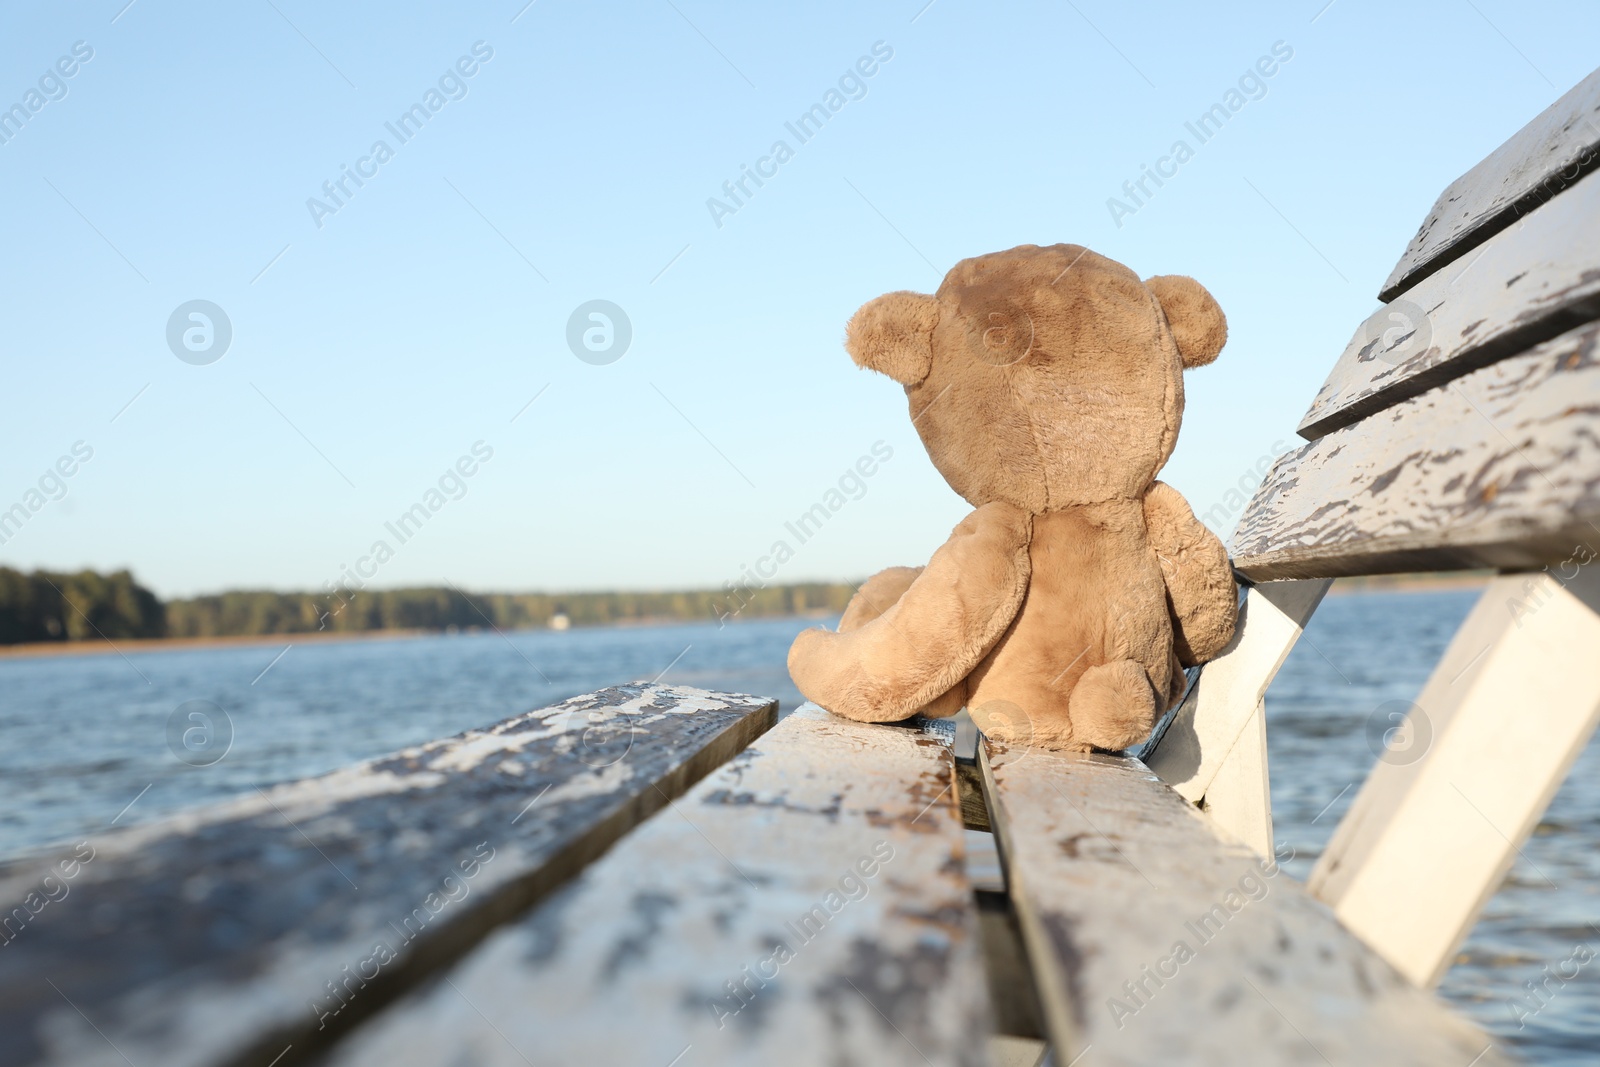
{"type": "Point", "coordinates": [46, 606]}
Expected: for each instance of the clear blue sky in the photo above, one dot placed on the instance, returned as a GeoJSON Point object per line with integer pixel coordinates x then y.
{"type": "Point", "coordinates": [425, 312]}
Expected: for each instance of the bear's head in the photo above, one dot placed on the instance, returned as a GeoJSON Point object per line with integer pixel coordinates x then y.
{"type": "Point", "coordinates": [1043, 377]}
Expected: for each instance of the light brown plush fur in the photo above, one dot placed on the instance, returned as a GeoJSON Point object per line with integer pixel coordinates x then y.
{"type": "Point", "coordinates": [1047, 386]}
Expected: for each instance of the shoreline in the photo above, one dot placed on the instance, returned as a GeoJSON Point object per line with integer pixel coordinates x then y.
{"type": "Point", "coordinates": [106, 647]}
{"type": "Point", "coordinates": [1399, 583]}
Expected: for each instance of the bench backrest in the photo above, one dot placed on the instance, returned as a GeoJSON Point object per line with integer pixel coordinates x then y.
{"type": "Point", "coordinates": [1460, 428]}
{"type": "Point", "coordinates": [1455, 431]}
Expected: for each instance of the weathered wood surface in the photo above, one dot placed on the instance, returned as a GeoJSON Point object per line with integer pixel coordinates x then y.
{"type": "Point", "coordinates": [805, 905]}
{"type": "Point", "coordinates": [1468, 770]}
{"type": "Point", "coordinates": [1526, 285]}
{"type": "Point", "coordinates": [1111, 872]}
{"type": "Point", "coordinates": [1212, 720]}
{"type": "Point", "coordinates": [250, 930]}
{"type": "Point", "coordinates": [1544, 157]}
{"type": "Point", "coordinates": [1500, 469]}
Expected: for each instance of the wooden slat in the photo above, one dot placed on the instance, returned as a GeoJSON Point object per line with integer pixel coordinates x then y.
{"type": "Point", "coordinates": [660, 951]}
{"type": "Point", "coordinates": [220, 936]}
{"type": "Point", "coordinates": [1442, 816]}
{"type": "Point", "coordinates": [1111, 871]}
{"type": "Point", "coordinates": [1526, 285]}
{"type": "Point", "coordinates": [1239, 800]}
{"type": "Point", "coordinates": [1191, 750]}
{"type": "Point", "coordinates": [1500, 469]}
{"type": "Point", "coordinates": [1543, 158]}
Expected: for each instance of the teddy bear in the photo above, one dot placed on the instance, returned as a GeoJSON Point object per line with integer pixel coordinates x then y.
{"type": "Point", "coordinates": [1047, 385]}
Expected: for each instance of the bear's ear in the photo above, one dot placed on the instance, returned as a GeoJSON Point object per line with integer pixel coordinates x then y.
{"type": "Point", "coordinates": [1196, 319]}
{"type": "Point", "coordinates": [893, 335]}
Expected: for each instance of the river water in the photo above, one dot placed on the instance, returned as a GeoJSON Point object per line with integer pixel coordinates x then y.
{"type": "Point", "coordinates": [87, 746]}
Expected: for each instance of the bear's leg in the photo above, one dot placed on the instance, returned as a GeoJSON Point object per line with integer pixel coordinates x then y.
{"type": "Point", "coordinates": [1113, 706]}
{"type": "Point", "coordinates": [952, 701]}
{"type": "Point", "coordinates": [877, 595]}
{"type": "Point", "coordinates": [1180, 682]}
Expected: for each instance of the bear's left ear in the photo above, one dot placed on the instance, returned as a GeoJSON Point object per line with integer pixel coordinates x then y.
{"type": "Point", "coordinates": [893, 335]}
{"type": "Point", "coordinates": [1197, 322]}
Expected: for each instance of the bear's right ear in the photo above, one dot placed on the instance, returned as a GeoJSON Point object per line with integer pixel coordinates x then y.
{"type": "Point", "coordinates": [1194, 315]}
{"type": "Point", "coordinates": [893, 335]}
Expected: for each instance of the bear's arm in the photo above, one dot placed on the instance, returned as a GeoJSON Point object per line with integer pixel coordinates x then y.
{"type": "Point", "coordinates": [876, 596]}
{"type": "Point", "coordinates": [932, 637]}
{"type": "Point", "coordinates": [1200, 589]}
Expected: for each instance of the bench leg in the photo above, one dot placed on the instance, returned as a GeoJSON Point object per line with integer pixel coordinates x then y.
{"type": "Point", "coordinates": [1469, 773]}
{"type": "Point", "coordinates": [1215, 751]}
{"type": "Point", "coordinates": [1239, 799]}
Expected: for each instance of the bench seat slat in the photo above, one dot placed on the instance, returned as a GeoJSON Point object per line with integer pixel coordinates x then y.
{"type": "Point", "coordinates": [1500, 469]}
{"type": "Point", "coordinates": [220, 936]}
{"type": "Point", "coordinates": [670, 946]}
{"type": "Point", "coordinates": [1526, 285]}
{"type": "Point", "coordinates": [1541, 159]}
{"type": "Point", "coordinates": [1111, 872]}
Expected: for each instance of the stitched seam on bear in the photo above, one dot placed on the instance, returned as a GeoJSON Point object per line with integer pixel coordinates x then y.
{"type": "Point", "coordinates": [1033, 432]}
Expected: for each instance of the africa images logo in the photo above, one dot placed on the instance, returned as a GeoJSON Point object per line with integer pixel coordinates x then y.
{"type": "Point", "coordinates": [199, 332]}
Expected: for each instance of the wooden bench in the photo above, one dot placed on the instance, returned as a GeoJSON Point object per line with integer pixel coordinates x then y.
{"type": "Point", "coordinates": [259, 931]}
{"type": "Point", "coordinates": [787, 894]}
{"type": "Point", "coordinates": [662, 876]}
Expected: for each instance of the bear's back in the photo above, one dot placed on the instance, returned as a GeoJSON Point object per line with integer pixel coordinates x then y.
{"type": "Point", "coordinates": [1095, 595]}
